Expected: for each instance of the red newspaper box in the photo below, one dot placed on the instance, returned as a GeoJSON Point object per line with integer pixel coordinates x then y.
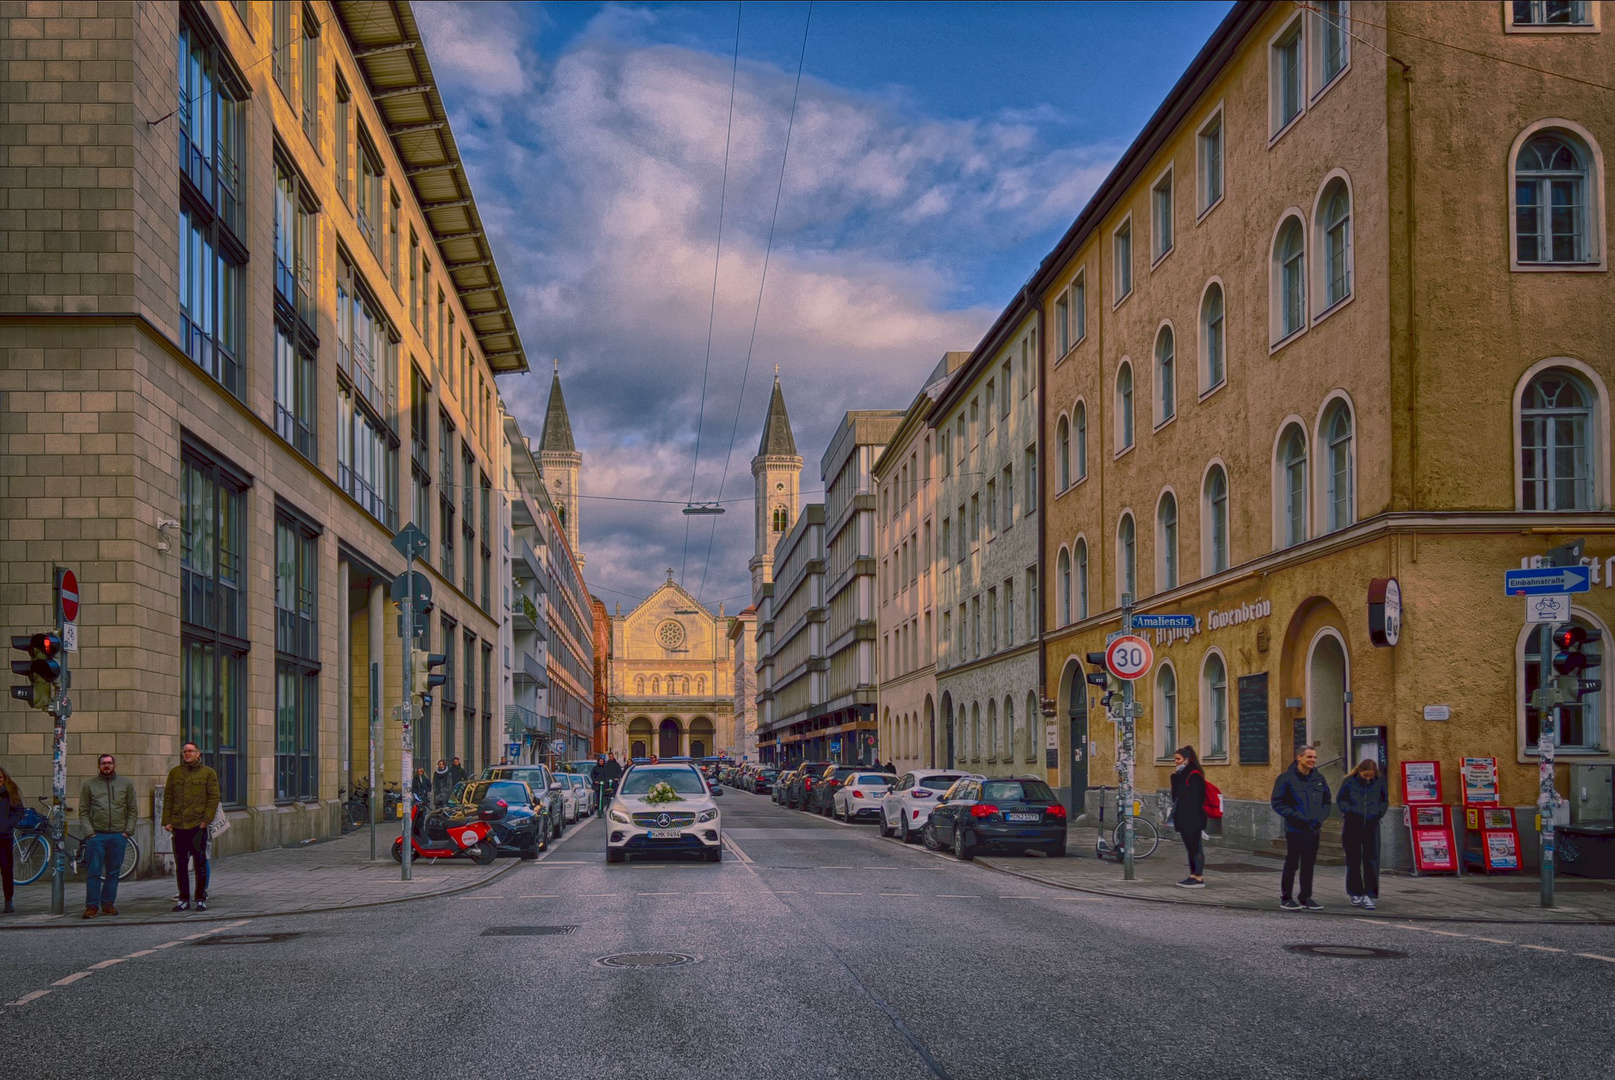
{"type": "Point", "coordinates": [1430, 824]}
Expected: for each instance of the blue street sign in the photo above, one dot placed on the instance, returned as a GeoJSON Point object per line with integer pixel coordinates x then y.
{"type": "Point", "coordinates": [513, 749]}
{"type": "Point", "coordinates": [1163, 622]}
{"type": "Point", "coordinates": [1547, 579]}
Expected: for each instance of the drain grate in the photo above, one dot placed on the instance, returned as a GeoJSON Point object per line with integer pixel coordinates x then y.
{"type": "Point", "coordinates": [527, 931]}
{"type": "Point", "coordinates": [646, 960]}
{"type": "Point", "coordinates": [248, 939]}
{"type": "Point", "coordinates": [1346, 952]}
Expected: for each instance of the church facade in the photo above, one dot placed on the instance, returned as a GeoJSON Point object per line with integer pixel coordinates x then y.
{"type": "Point", "coordinates": [672, 679]}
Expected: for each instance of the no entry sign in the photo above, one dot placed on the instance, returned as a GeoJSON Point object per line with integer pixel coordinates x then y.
{"type": "Point", "coordinates": [1129, 657]}
{"type": "Point", "coordinates": [67, 592]}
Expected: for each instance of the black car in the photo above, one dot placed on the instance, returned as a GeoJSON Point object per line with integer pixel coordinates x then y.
{"type": "Point", "coordinates": [546, 789]}
{"type": "Point", "coordinates": [803, 781]}
{"type": "Point", "coordinates": [521, 831]}
{"type": "Point", "coordinates": [1010, 815]}
{"type": "Point", "coordinates": [782, 784]}
{"type": "Point", "coordinates": [762, 781]}
{"type": "Point", "coordinates": [826, 783]}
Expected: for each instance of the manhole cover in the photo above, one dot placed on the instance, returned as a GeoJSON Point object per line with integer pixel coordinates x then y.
{"type": "Point", "coordinates": [527, 931]}
{"type": "Point", "coordinates": [247, 939]}
{"type": "Point", "coordinates": [1346, 952]}
{"type": "Point", "coordinates": [645, 960]}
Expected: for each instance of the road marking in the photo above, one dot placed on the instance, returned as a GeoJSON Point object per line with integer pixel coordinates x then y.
{"type": "Point", "coordinates": [838, 868]}
{"type": "Point", "coordinates": [142, 952]}
{"type": "Point", "coordinates": [538, 896]}
{"type": "Point", "coordinates": [840, 894]}
{"type": "Point", "coordinates": [598, 894]}
{"type": "Point", "coordinates": [714, 893]}
{"type": "Point", "coordinates": [481, 897]}
{"type": "Point", "coordinates": [741, 855]}
{"type": "Point", "coordinates": [899, 894]}
{"type": "Point", "coordinates": [108, 963]}
{"type": "Point", "coordinates": [26, 998]}
{"type": "Point", "coordinates": [659, 894]}
{"type": "Point", "coordinates": [1541, 948]}
{"type": "Point", "coordinates": [73, 978]}
{"type": "Point", "coordinates": [167, 945]}
{"type": "Point", "coordinates": [1495, 940]}
{"type": "Point", "coordinates": [1006, 896]}
{"type": "Point", "coordinates": [204, 933]}
{"type": "Point", "coordinates": [882, 868]}
{"type": "Point", "coordinates": [957, 896]}
{"type": "Point", "coordinates": [1595, 956]}
{"type": "Point", "coordinates": [1446, 933]}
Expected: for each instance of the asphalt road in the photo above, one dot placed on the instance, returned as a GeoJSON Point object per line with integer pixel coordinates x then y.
{"type": "Point", "coordinates": [818, 950]}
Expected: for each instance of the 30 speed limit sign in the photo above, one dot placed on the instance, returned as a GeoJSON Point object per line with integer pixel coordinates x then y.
{"type": "Point", "coordinates": [1129, 657]}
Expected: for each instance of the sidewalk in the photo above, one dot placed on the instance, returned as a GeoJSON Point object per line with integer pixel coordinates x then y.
{"type": "Point", "coordinates": [326, 876]}
{"type": "Point", "coordinates": [1250, 881]}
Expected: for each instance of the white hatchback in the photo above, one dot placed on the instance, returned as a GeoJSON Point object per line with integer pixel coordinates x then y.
{"type": "Point", "coordinates": [907, 806]}
{"type": "Point", "coordinates": [858, 798]}
{"type": "Point", "coordinates": [688, 822]}
{"type": "Point", "coordinates": [580, 789]}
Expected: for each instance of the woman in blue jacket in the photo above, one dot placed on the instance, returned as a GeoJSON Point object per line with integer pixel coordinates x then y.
{"type": "Point", "coordinates": [1363, 802]}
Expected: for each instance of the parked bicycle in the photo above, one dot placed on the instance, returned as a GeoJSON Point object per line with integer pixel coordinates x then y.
{"type": "Point", "coordinates": [1110, 842]}
{"type": "Point", "coordinates": [356, 807]}
{"type": "Point", "coordinates": [32, 849]}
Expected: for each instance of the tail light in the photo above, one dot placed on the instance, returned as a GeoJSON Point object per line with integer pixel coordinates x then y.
{"type": "Point", "coordinates": [1054, 811]}
{"type": "Point", "coordinates": [981, 810]}
{"type": "Point", "coordinates": [807, 785]}
{"type": "Point", "coordinates": [857, 794]}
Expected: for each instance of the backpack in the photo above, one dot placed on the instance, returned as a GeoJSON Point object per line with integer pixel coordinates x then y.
{"type": "Point", "coordinates": [1213, 800]}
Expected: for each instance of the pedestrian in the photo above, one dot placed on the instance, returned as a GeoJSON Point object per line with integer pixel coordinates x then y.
{"type": "Point", "coordinates": [1301, 798]}
{"type": "Point", "coordinates": [1363, 801]}
{"type": "Point", "coordinates": [420, 785]}
{"type": "Point", "coordinates": [190, 802]}
{"type": "Point", "coordinates": [887, 768]}
{"type": "Point", "coordinates": [1189, 812]}
{"type": "Point", "coordinates": [108, 814]}
{"type": "Point", "coordinates": [442, 784]}
{"type": "Point", "coordinates": [456, 772]}
{"type": "Point", "coordinates": [11, 811]}
{"type": "Point", "coordinates": [504, 760]}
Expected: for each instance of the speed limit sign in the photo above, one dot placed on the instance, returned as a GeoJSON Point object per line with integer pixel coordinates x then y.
{"type": "Point", "coordinates": [1129, 657]}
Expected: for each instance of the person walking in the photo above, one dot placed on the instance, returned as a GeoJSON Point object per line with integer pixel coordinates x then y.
{"type": "Point", "coordinates": [11, 811]}
{"type": "Point", "coordinates": [1363, 801]}
{"type": "Point", "coordinates": [190, 803]}
{"type": "Point", "coordinates": [456, 772]}
{"type": "Point", "coordinates": [420, 785]}
{"type": "Point", "coordinates": [1189, 813]}
{"type": "Point", "coordinates": [1301, 798]}
{"type": "Point", "coordinates": [606, 778]}
{"type": "Point", "coordinates": [108, 814]}
{"type": "Point", "coordinates": [442, 784]}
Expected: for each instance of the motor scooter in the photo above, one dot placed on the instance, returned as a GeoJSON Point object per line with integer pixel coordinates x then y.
{"type": "Point", "coordinates": [448, 833]}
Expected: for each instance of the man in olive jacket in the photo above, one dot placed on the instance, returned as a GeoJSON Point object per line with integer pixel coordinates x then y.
{"type": "Point", "coordinates": [190, 800]}
{"type": "Point", "coordinates": [108, 814]}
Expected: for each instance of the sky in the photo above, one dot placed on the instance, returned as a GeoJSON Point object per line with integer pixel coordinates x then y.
{"type": "Point", "coordinates": [936, 154]}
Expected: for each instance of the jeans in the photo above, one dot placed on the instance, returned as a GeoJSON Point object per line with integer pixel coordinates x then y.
{"type": "Point", "coordinates": [104, 853]}
{"type": "Point", "coordinates": [1195, 846]}
{"type": "Point", "coordinates": [1361, 839]}
{"type": "Point", "coordinates": [1300, 852]}
{"type": "Point", "coordinates": [191, 845]}
{"type": "Point", "coordinates": [6, 864]}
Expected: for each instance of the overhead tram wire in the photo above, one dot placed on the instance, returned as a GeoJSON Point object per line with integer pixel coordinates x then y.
{"type": "Point", "coordinates": [712, 311]}
{"type": "Point", "coordinates": [768, 249]}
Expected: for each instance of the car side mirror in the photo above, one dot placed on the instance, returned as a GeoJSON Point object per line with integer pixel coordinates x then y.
{"type": "Point", "coordinates": [555, 786]}
{"type": "Point", "coordinates": [715, 789]}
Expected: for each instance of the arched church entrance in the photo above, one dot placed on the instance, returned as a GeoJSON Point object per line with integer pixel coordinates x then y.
{"type": "Point", "coordinates": [701, 739]}
{"type": "Point", "coordinates": [669, 739]}
{"type": "Point", "coordinates": [639, 737]}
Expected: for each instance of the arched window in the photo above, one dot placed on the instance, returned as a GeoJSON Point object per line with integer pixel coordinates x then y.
{"type": "Point", "coordinates": [1214, 513]}
{"type": "Point", "coordinates": [1581, 724]}
{"type": "Point", "coordinates": [1335, 228]}
{"type": "Point", "coordinates": [1213, 340]}
{"type": "Point", "coordinates": [1165, 376]}
{"type": "Point", "coordinates": [1166, 542]}
{"type": "Point", "coordinates": [1063, 440]}
{"type": "Point", "coordinates": [1124, 407]}
{"type": "Point", "coordinates": [1127, 557]}
{"type": "Point", "coordinates": [1009, 729]}
{"type": "Point", "coordinates": [992, 729]}
{"type": "Point", "coordinates": [1292, 477]}
{"type": "Point", "coordinates": [1336, 434]}
{"type": "Point", "coordinates": [1065, 588]}
{"type": "Point", "coordinates": [1550, 201]}
{"type": "Point", "coordinates": [975, 731]}
{"type": "Point", "coordinates": [1082, 579]}
{"type": "Point", "coordinates": [1556, 429]}
{"type": "Point", "coordinates": [781, 519]}
{"type": "Point", "coordinates": [1214, 726]}
{"type": "Point", "coordinates": [1166, 711]}
{"type": "Point", "coordinates": [1290, 279]}
{"type": "Point", "coordinates": [1081, 424]}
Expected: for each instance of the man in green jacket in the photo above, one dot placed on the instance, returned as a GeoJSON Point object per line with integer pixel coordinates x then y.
{"type": "Point", "coordinates": [108, 814]}
{"type": "Point", "coordinates": [190, 800]}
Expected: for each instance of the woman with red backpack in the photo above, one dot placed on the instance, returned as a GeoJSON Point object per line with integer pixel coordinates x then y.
{"type": "Point", "coordinates": [1189, 812]}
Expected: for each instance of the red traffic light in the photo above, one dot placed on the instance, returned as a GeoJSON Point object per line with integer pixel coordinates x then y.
{"type": "Point", "coordinates": [1568, 637]}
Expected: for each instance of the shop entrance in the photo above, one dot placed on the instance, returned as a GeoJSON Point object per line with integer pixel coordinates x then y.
{"type": "Point", "coordinates": [1328, 708]}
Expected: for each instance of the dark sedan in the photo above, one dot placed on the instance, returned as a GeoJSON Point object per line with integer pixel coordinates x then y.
{"type": "Point", "coordinates": [1010, 815]}
{"type": "Point", "coordinates": [826, 784]}
{"type": "Point", "coordinates": [762, 781]}
{"type": "Point", "coordinates": [799, 795]}
{"type": "Point", "coordinates": [521, 831]}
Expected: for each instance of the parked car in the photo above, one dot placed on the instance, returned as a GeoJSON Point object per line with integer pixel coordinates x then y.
{"type": "Point", "coordinates": [545, 787]}
{"type": "Point", "coordinates": [1013, 814]}
{"type": "Point", "coordinates": [802, 781]}
{"type": "Point", "coordinates": [907, 804]}
{"type": "Point", "coordinates": [827, 783]}
{"type": "Point", "coordinates": [691, 825]}
{"type": "Point", "coordinates": [521, 830]}
{"type": "Point", "coordinates": [583, 766]}
{"type": "Point", "coordinates": [580, 790]}
{"type": "Point", "coordinates": [762, 781]}
{"type": "Point", "coordinates": [858, 798]}
{"type": "Point", "coordinates": [782, 785]}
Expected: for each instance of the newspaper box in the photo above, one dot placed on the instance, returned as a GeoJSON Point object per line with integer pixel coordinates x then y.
{"type": "Point", "coordinates": [1430, 822]}
{"type": "Point", "coordinates": [1491, 835]}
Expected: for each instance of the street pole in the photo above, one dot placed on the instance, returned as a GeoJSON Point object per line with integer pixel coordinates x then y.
{"type": "Point", "coordinates": [60, 710]}
{"type": "Point", "coordinates": [1125, 754]}
{"type": "Point", "coordinates": [1547, 797]}
{"type": "Point", "coordinates": [375, 770]}
{"type": "Point", "coordinates": [407, 712]}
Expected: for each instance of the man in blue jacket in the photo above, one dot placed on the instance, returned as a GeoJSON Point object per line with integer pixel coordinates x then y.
{"type": "Point", "coordinates": [1301, 798]}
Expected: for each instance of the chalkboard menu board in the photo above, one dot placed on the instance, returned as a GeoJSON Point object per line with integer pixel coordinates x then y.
{"type": "Point", "coordinates": [1253, 719]}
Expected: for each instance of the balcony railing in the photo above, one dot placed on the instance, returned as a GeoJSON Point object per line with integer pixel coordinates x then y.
{"type": "Point", "coordinates": [526, 567]}
{"type": "Point", "coordinates": [528, 667]}
{"type": "Point", "coordinates": [521, 718]}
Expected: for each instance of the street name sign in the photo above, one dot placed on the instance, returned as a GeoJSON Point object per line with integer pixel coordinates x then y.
{"type": "Point", "coordinates": [1163, 622]}
{"type": "Point", "coordinates": [1546, 580]}
{"type": "Point", "coordinates": [1129, 657]}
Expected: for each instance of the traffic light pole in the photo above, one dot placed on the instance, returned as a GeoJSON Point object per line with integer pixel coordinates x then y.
{"type": "Point", "coordinates": [1125, 753]}
{"type": "Point", "coordinates": [407, 756]}
{"type": "Point", "coordinates": [1547, 800]}
{"type": "Point", "coordinates": [60, 710]}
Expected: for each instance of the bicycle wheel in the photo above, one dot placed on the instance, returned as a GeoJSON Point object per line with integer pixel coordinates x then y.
{"type": "Point", "coordinates": [32, 853]}
{"type": "Point", "coordinates": [1145, 840]}
{"type": "Point", "coordinates": [131, 859]}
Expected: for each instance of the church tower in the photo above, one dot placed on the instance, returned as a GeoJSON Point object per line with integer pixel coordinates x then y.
{"type": "Point", "coordinates": [559, 462]}
{"type": "Point", "coordinates": [777, 482]}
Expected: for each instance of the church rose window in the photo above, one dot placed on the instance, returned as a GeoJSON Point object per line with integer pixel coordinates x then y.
{"type": "Point", "coordinates": [670, 634]}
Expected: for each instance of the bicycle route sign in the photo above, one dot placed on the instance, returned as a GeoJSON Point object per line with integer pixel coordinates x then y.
{"type": "Point", "coordinates": [1129, 657]}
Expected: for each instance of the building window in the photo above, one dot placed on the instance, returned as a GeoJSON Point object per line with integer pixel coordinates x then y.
{"type": "Point", "coordinates": [1166, 712]}
{"type": "Point", "coordinates": [1213, 339]}
{"type": "Point", "coordinates": [1215, 513]}
{"type": "Point", "coordinates": [213, 617]}
{"type": "Point", "coordinates": [281, 45]}
{"type": "Point", "coordinates": [1556, 452]}
{"type": "Point", "coordinates": [1581, 723]}
{"type": "Point", "coordinates": [1079, 308]}
{"type": "Point", "coordinates": [992, 620]}
{"type": "Point", "coordinates": [1161, 215]}
{"type": "Point", "coordinates": [1208, 142]}
{"type": "Point", "coordinates": [1124, 407]}
{"type": "Point", "coordinates": [311, 76]}
{"type": "Point", "coordinates": [992, 506]}
{"type": "Point", "coordinates": [1333, 41]}
{"type": "Point", "coordinates": [295, 381]}
{"type": "Point", "coordinates": [1285, 76]}
{"type": "Point", "coordinates": [369, 193]}
{"type": "Point", "coordinates": [1062, 438]}
{"type": "Point", "coordinates": [367, 459]}
{"type": "Point", "coordinates": [1009, 496]}
{"type": "Point", "coordinates": [366, 343]}
{"type": "Point", "coordinates": [1081, 425]}
{"type": "Point", "coordinates": [1033, 626]}
{"type": "Point", "coordinates": [1214, 678]}
{"type": "Point", "coordinates": [1123, 258]}
{"type": "Point", "coordinates": [1166, 542]}
{"type": "Point", "coordinates": [1165, 376]}
{"type": "Point", "coordinates": [1551, 222]}
{"type": "Point", "coordinates": [1336, 435]}
{"type": "Point", "coordinates": [1127, 557]}
{"type": "Point", "coordinates": [1552, 13]}
{"type": "Point", "coordinates": [1064, 596]}
{"type": "Point", "coordinates": [342, 133]}
{"type": "Point", "coordinates": [1029, 471]}
{"type": "Point", "coordinates": [1290, 278]}
{"type": "Point", "coordinates": [1005, 382]}
{"type": "Point", "coordinates": [297, 666]}
{"type": "Point", "coordinates": [1292, 472]}
{"type": "Point", "coordinates": [392, 240]}
{"type": "Point", "coordinates": [1335, 227]}
{"type": "Point", "coordinates": [1081, 561]}
{"type": "Point", "coordinates": [1062, 324]}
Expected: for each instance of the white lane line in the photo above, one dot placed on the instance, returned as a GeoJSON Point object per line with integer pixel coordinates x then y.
{"type": "Point", "coordinates": [193, 937]}
{"type": "Point", "coordinates": [713, 893]}
{"type": "Point", "coordinates": [1006, 896]}
{"type": "Point", "coordinates": [142, 952]}
{"type": "Point", "coordinates": [538, 896]}
{"type": "Point", "coordinates": [596, 894]}
{"type": "Point", "coordinates": [1541, 948]}
{"type": "Point", "coordinates": [882, 868]}
{"type": "Point", "coordinates": [167, 945]}
{"type": "Point", "coordinates": [899, 894]}
{"type": "Point", "coordinates": [840, 894]}
{"type": "Point", "coordinates": [957, 896]}
{"type": "Point", "coordinates": [26, 998]}
{"type": "Point", "coordinates": [73, 978]}
{"type": "Point", "coordinates": [739, 854]}
{"type": "Point", "coordinates": [1446, 933]}
{"type": "Point", "coordinates": [1495, 940]}
{"type": "Point", "coordinates": [479, 896]}
{"type": "Point", "coordinates": [1595, 956]}
{"type": "Point", "coordinates": [838, 868]}
{"type": "Point", "coordinates": [660, 894]}
{"type": "Point", "coordinates": [108, 963]}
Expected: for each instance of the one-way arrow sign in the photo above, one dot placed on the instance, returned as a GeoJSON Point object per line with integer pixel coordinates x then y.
{"type": "Point", "coordinates": [1548, 579]}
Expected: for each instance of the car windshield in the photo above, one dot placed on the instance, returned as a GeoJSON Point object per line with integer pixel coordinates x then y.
{"type": "Point", "coordinates": [1010, 790]}
{"type": "Point", "coordinates": [875, 778]}
{"type": "Point", "coordinates": [532, 776]}
{"type": "Point", "coordinates": [769, 773]}
{"type": "Point", "coordinates": [508, 790]}
{"type": "Point", "coordinates": [843, 771]}
{"type": "Point", "coordinates": [576, 781]}
{"type": "Point", "coordinates": [935, 782]}
{"type": "Point", "coordinates": [682, 778]}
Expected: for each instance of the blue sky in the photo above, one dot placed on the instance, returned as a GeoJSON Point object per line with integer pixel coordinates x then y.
{"type": "Point", "coordinates": [937, 153]}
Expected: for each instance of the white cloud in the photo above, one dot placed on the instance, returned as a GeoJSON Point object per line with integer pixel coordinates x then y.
{"type": "Point", "coordinates": [474, 44]}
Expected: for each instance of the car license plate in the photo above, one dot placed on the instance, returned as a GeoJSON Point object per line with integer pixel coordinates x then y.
{"type": "Point", "coordinates": [1022, 817]}
{"type": "Point", "coordinates": [665, 834]}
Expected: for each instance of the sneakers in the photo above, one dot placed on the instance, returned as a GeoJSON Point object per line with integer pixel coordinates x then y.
{"type": "Point", "coordinates": [1357, 901]}
{"type": "Point", "coordinates": [1289, 905]}
{"type": "Point", "coordinates": [1192, 883]}
{"type": "Point", "coordinates": [183, 905]}
{"type": "Point", "coordinates": [90, 912]}
{"type": "Point", "coordinates": [201, 905]}
{"type": "Point", "coordinates": [10, 908]}
{"type": "Point", "coordinates": [1313, 905]}
{"type": "Point", "coordinates": [1368, 903]}
{"type": "Point", "coordinates": [108, 909]}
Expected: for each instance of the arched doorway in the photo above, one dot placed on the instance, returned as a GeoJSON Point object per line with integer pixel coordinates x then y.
{"type": "Point", "coordinates": [639, 737]}
{"type": "Point", "coordinates": [701, 740]}
{"type": "Point", "coordinates": [1074, 698]}
{"type": "Point", "coordinates": [947, 730]}
{"type": "Point", "coordinates": [669, 740]}
{"type": "Point", "coordinates": [930, 733]}
{"type": "Point", "coordinates": [1328, 681]}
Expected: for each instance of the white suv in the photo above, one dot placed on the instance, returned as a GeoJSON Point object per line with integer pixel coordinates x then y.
{"type": "Point", "coordinates": [689, 823]}
{"type": "Point", "coordinates": [906, 806]}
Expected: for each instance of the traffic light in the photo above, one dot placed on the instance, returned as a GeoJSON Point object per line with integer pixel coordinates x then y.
{"type": "Point", "coordinates": [1570, 657]}
{"type": "Point", "coordinates": [43, 668]}
{"type": "Point", "coordinates": [427, 679]}
{"type": "Point", "coordinates": [1097, 675]}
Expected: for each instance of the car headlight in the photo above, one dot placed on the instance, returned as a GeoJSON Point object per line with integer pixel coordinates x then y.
{"type": "Point", "coordinates": [620, 816]}
{"type": "Point", "coordinates": [707, 815]}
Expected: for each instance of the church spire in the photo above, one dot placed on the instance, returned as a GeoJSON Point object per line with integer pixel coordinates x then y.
{"type": "Point", "coordinates": [559, 462]}
{"type": "Point", "coordinates": [777, 439]}
{"type": "Point", "coordinates": [777, 481]}
{"type": "Point", "coordinates": [557, 436]}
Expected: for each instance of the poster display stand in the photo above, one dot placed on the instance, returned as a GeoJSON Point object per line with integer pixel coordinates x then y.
{"type": "Point", "coordinates": [1431, 828]}
{"type": "Point", "coordinates": [1491, 835]}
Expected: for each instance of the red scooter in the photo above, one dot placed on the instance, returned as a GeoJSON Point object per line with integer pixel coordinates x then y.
{"type": "Point", "coordinates": [454, 831]}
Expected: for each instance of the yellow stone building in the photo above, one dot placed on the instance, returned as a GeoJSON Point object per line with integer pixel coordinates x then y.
{"type": "Point", "coordinates": [1340, 314]}
{"type": "Point", "coordinates": [672, 678]}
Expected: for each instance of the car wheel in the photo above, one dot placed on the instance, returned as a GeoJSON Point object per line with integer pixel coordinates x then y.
{"type": "Point", "coordinates": [529, 853]}
{"type": "Point", "coordinates": [903, 832]}
{"type": "Point", "coordinates": [613, 855]}
{"type": "Point", "coordinates": [885, 829]}
{"type": "Point", "coordinates": [715, 855]}
{"type": "Point", "coordinates": [961, 851]}
{"type": "Point", "coordinates": [929, 837]}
